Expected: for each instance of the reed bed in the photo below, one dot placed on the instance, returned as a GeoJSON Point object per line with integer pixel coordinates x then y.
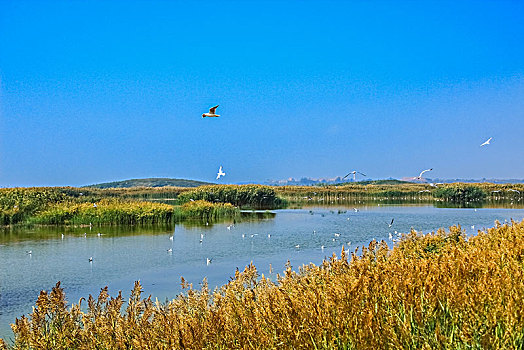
{"type": "Point", "coordinates": [436, 291]}
{"type": "Point", "coordinates": [247, 196]}
{"type": "Point", "coordinates": [106, 211]}
{"type": "Point", "coordinates": [18, 205]}
{"type": "Point", "coordinates": [206, 211]}
{"type": "Point", "coordinates": [412, 192]}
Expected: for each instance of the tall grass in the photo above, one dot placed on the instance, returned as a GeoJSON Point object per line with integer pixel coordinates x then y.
{"type": "Point", "coordinates": [412, 192]}
{"type": "Point", "coordinates": [18, 204]}
{"type": "Point", "coordinates": [436, 291]}
{"type": "Point", "coordinates": [107, 211]}
{"type": "Point", "coordinates": [252, 196]}
{"type": "Point", "coordinates": [206, 211]}
{"type": "Point", "coordinates": [459, 193]}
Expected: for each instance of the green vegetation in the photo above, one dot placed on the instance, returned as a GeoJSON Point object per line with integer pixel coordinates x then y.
{"type": "Point", "coordinates": [460, 194]}
{"type": "Point", "coordinates": [106, 211]}
{"type": "Point", "coordinates": [74, 206]}
{"type": "Point", "coordinates": [151, 182]}
{"type": "Point", "coordinates": [436, 291]}
{"type": "Point", "coordinates": [19, 204]}
{"type": "Point", "coordinates": [246, 196]}
{"type": "Point", "coordinates": [206, 211]}
{"type": "Point", "coordinates": [402, 191]}
{"type": "Point", "coordinates": [70, 205]}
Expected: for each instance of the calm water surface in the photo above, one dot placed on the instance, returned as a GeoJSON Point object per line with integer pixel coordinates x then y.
{"type": "Point", "coordinates": [124, 255]}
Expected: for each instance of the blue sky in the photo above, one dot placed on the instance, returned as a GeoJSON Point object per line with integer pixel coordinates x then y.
{"type": "Point", "coordinates": [95, 91]}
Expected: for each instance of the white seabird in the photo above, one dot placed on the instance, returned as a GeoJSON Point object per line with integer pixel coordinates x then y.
{"type": "Point", "coordinates": [487, 142]}
{"type": "Point", "coordinates": [211, 113]}
{"type": "Point", "coordinates": [220, 173]}
{"type": "Point", "coordinates": [354, 172]}
{"type": "Point", "coordinates": [423, 171]}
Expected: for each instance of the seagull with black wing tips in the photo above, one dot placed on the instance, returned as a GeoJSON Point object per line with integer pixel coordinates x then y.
{"type": "Point", "coordinates": [422, 172]}
{"type": "Point", "coordinates": [354, 172]}
{"type": "Point", "coordinates": [211, 113]}
{"type": "Point", "coordinates": [391, 223]}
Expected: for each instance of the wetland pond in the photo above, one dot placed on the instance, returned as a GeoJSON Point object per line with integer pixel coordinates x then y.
{"type": "Point", "coordinates": [122, 255]}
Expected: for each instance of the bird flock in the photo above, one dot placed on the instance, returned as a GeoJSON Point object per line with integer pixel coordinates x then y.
{"type": "Point", "coordinates": [221, 173]}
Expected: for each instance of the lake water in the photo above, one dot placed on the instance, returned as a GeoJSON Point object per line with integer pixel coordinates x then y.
{"type": "Point", "coordinates": [124, 255]}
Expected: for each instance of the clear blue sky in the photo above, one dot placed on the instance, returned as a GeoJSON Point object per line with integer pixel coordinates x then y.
{"type": "Point", "coordinates": [94, 91]}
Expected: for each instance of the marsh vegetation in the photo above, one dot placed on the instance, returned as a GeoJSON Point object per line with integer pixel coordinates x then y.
{"type": "Point", "coordinates": [84, 206]}
{"type": "Point", "coordinates": [439, 290]}
{"type": "Point", "coordinates": [69, 205]}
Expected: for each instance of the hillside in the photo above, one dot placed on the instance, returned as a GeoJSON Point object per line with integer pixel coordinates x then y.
{"type": "Point", "coordinates": [151, 182]}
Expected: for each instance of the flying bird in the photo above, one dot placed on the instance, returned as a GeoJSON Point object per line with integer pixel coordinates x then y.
{"type": "Point", "coordinates": [391, 223]}
{"type": "Point", "coordinates": [486, 142]}
{"type": "Point", "coordinates": [220, 173]}
{"type": "Point", "coordinates": [423, 171]}
{"type": "Point", "coordinates": [211, 113]}
{"type": "Point", "coordinates": [354, 172]}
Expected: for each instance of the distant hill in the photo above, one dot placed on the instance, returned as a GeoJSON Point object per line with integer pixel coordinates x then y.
{"type": "Point", "coordinates": [151, 182]}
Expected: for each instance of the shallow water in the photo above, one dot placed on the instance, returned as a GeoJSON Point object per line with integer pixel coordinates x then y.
{"type": "Point", "coordinates": [124, 255]}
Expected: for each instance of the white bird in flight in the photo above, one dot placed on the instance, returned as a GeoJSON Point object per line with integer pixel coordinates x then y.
{"type": "Point", "coordinates": [220, 173]}
{"type": "Point", "coordinates": [211, 113]}
{"type": "Point", "coordinates": [487, 142]}
{"type": "Point", "coordinates": [354, 172]}
{"type": "Point", "coordinates": [423, 171]}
